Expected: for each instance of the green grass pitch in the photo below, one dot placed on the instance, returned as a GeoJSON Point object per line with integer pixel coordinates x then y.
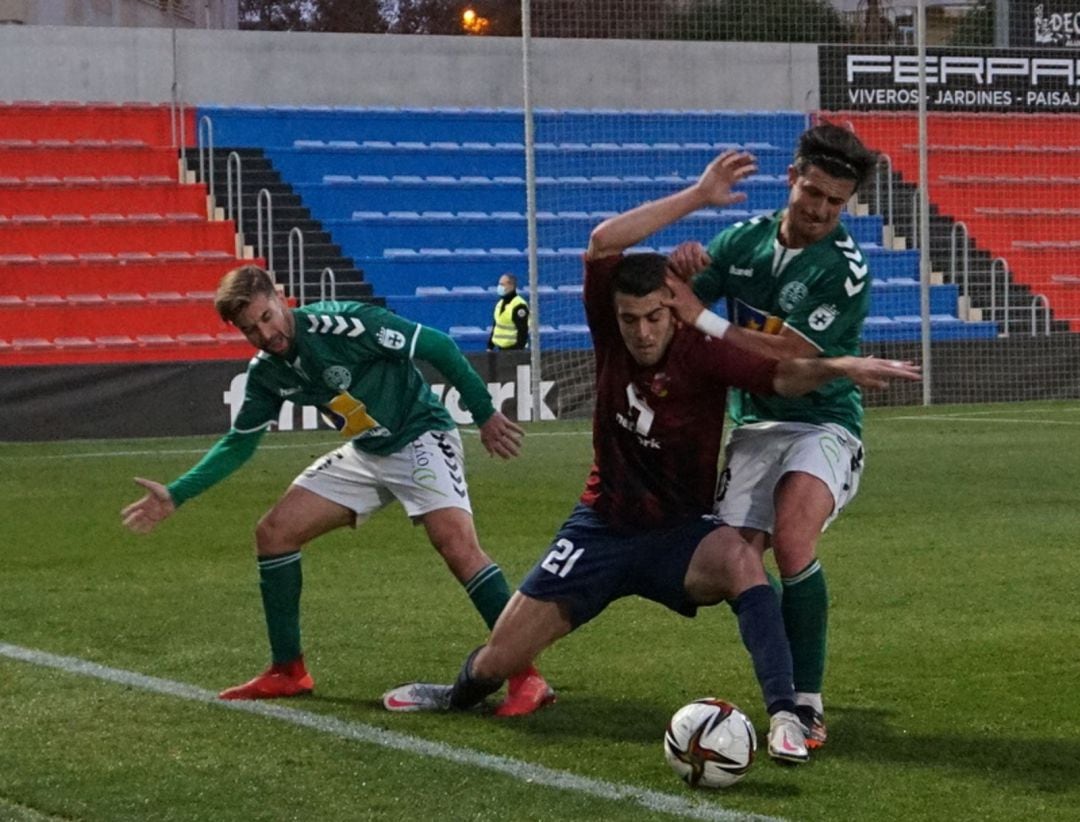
{"type": "Point", "coordinates": [951, 690]}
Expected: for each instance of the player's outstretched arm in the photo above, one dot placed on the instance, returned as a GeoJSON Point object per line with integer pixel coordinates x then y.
{"type": "Point", "coordinates": [872, 372]}
{"type": "Point", "coordinates": [616, 234]}
{"type": "Point", "coordinates": [144, 514]}
{"type": "Point", "coordinates": [501, 436]}
{"type": "Point", "coordinates": [801, 376]}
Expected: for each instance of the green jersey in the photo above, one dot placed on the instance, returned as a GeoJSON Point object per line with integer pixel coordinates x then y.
{"type": "Point", "coordinates": [822, 292]}
{"type": "Point", "coordinates": [355, 363]}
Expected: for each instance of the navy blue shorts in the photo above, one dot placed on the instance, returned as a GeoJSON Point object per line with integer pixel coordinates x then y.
{"type": "Point", "coordinates": [589, 565]}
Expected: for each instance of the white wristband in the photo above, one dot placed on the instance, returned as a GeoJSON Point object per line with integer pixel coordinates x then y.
{"type": "Point", "coordinates": [712, 324]}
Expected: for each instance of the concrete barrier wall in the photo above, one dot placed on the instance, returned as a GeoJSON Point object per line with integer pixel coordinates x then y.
{"type": "Point", "coordinates": [272, 68]}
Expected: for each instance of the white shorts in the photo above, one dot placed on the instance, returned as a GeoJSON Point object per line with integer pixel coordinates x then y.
{"type": "Point", "coordinates": [758, 455]}
{"type": "Point", "coordinates": [425, 475]}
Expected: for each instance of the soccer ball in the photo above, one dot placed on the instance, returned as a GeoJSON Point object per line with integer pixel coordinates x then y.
{"type": "Point", "coordinates": [710, 743]}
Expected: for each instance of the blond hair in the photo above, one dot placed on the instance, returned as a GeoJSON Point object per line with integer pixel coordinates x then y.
{"type": "Point", "coordinates": [237, 289]}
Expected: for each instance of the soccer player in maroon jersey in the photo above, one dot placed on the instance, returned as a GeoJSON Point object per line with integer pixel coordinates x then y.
{"type": "Point", "coordinates": [643, 525]}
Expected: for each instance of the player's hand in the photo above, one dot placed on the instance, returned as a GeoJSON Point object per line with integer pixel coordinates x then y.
{"type": "Point", "coordinates": [724, 173]}
{"type": "Point", "coordinates": [142, 515]}
{"type": "Point", "coordinates": [683, 302]}
{"type": "Point", "coordinates": [687, 259]}
{"type": "Point", "coordinates": [501, 436]}
{"type": "Point", "coordinates": [871, 372]}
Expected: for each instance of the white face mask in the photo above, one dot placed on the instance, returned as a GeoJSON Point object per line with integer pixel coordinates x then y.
{"type": "Point", "coordinates": [502, 290]}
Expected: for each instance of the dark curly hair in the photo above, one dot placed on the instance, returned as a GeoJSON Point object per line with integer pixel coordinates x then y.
{"type": "Point", "coordinates": [836, 151]}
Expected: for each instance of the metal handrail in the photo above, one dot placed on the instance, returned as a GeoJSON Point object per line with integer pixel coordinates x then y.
{"type": "Point", "coordinates": [915, 217]}
{"type": "Point", "coordinates": [959, 224]}
{"type": "Point", "coordinates": [269, 257]}
{"type": "Point", "coordinates": [887, 160]}
{"type": "Point", "coordinates": [296, 232]}
{"type": "Point", "coordinates": [238, 215]}
{"type": "Point", "coordinates": [1005, 291]}
{"type": "Point", "coordinates": [322, 284]}
{"type": "Point", "coordinates": [183, 142]}
{"type": "Point", "coordinates": [209, 144]}
{"type": "Point", "coordinates": [175, 102]}
{"type": "Point", "coordinates": [1046, 308]}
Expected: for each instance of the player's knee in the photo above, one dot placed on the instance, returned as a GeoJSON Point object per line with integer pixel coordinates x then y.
{"type": "Point", "coordinates": [744, 568]}
{"type": "Point", "coordinates": [792, 554]}
{"type": "Point", "coordinates": [456, 541]}
{"type": "Point", "coordinates": [270, 538]}
{"type": "Point", "coordinates": [724, 566]}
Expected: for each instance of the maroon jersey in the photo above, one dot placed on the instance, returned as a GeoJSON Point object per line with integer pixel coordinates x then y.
{"type": "Point", "coordinates": [658, 430]}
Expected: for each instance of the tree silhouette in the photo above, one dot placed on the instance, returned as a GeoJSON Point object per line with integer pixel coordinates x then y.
{"type": "Point", "coordinates": [312, 15]}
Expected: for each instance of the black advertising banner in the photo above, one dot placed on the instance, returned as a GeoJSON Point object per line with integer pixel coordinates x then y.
{"type": "Point", "coordinates": [1044, 24]}
{"type": "Point", "coordinates": [886, 78]}
{"type": "Point", "coordinates": [41, 403]}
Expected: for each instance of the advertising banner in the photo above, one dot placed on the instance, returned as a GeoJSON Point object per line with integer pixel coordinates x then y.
{"type": "Point", "coordinates": [1044, 24]}
{"type": "Point", "coordinates": [181, 399]}
{"type": "Point", "coordinates": [886, 78]}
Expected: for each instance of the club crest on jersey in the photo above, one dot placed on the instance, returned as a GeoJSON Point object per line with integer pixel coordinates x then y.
{"type": "Point", "coordinates": [660, 383]}
{"type": "Point", "coordinates": [791, 295]}
{"type": "Point", "coordinates": [337, 377]}
{"type": "Point", "coordinates": [389, 338]}
{"type": "Point", "coordinates": [822, 317]}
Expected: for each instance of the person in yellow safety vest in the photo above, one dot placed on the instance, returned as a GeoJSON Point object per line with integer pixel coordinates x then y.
{"type": "Point", "coordinates": [510, 329]}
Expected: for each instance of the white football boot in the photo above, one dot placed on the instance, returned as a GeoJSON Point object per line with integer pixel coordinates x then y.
{"type": "Point", "coordinates": [787, 739]}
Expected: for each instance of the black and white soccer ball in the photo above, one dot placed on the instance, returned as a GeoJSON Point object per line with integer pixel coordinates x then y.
{"type": "Point", "coordinates": [710, 743]}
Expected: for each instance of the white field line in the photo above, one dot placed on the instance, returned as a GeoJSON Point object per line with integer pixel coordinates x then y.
{"type": "Point", "coordinates": [369, 734]}
{"type": "Point", "coordinates": [990, 420]}
{"type": "Point", "coordinates": [158, 452]}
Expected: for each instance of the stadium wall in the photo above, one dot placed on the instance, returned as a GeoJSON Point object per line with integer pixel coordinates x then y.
{"type": "Point", "coordinates": [274, 68]}
{"type": "Point", "coordinates": [180, 399]}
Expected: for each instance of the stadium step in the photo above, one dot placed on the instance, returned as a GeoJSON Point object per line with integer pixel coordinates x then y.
{"type": "Point", "coordinates": [92, 314]}
{"type": "Point", "coordinates": [23, 275]}
{"type": "Point", "coordinates": [151, 123]}
{"type": "Point", "coordinates": [116, 348]}
{"type": "Point", "coordinates": [90, 195]}
{"type": "Point", "coordinates": [112, 233]}
{"type": "Point", "coordinates": [26, 158]}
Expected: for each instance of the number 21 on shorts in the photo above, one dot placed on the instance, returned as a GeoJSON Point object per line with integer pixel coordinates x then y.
{"type": "Point", "coordinates": [561, 558]}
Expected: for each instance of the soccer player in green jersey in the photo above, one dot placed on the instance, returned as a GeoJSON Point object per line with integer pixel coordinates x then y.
{"type": "Point", "coordinates": [356, 363]}
{"type": "Point", "coordinates": [796, 285]}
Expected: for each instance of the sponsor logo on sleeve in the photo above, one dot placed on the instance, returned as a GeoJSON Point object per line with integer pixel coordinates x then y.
{"type": "Point", "coordinates": [822, 317]}
{"type": "Point", "coordinates": [389, 338]}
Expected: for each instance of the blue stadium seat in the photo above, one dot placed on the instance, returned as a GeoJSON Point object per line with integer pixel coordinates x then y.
{"type": "Point", "coordinates": [280, 126]}
{"type": "Point", "coordinates": [309, 161]}
{"type": "Point", "coordinates": [445, 311]}
{"type": "Point", "coordinates": [369, 233]}
{"type": "Point", "coordinates": [401, 270]}
{"type": "Point", "coordinates": [339, 197]}
{"type": "Point", "coordinates": [894, 299]}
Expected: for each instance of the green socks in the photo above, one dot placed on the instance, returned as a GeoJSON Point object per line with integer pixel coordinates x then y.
{"type": "Point", "coordinates": [280, 581]}
{"type": "Point", "coordinates": [805, 606]}
{"type": "Point", "coordinates": [489, 593]}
